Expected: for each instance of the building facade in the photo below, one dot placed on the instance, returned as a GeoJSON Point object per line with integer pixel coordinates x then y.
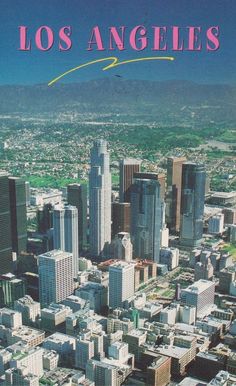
{"type": "Point", "coordinates": [99, 199]}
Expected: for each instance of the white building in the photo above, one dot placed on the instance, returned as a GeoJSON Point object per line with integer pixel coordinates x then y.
{"type": "Point", "coordinates": [31, 359]}
{"type": "Point", "coordinates": [61, 343]}
{"type": "Point", "coordinates": [29, 308]}
{"type": "Point", "coordinates": [121, 283]}
{"type": "Point", "coordinates": [65, 232]}
{"type": "Point", "coordinates": [55, 276]}
{"type": "Point", "coordinates": [54, 315]}
{"type": "Point", "coordinates": [200, 294]}
{"type": "Point", "coordinates": [169, 314]}
{"type": "Point", "coordinates": [216, 224]}
{"type": "Point", "coordinates": [169, 257]}
{"type": "Point", "coordinates": [119, 351]}
{"type": "Point", "coordinates": [102, 373]}
{"type": "Point", "coordinates": [40, 197]}
{"type": "Point", "coordinates": [100, 199]}
{"type": "Point", "coordinates": [50, 359]}
{"type": "Point", "coordinates": [188, 314]}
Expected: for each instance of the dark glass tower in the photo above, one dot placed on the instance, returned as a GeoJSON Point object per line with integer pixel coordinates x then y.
{"type": "Point", "coordinates": [18, 214]}
{"type": "Point", "coordinates": [173, 194]}
{"type": "Point", "coordinates": [146, 218]}
{"type": "Point", "coordinates": [5, 226]}
{"type": "Point", "coordinates": [192, 204]}
{"type": "Point", "coordinates": [77, 196]}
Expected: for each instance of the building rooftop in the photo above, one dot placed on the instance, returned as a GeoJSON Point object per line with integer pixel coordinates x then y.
{"type": "Point", "coordinates": [58, 337]}
{"type": "Point", "coordinates": [199, 286]}
{"type": "Point", "coordinates": [56, 254]}
{"type": "Point", "coordinates": [172, 351]}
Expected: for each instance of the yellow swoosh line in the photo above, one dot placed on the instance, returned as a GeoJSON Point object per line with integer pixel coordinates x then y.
{"type": "Point", "coordinates": [115, 63]}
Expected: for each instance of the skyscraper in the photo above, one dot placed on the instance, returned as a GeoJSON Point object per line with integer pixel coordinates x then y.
{"type": "Point", "coordinates": [122, 247]}
{"type": "Point", "coordinates": [120, 217]}
{"type": "Point", "coordinates": [5, 226]}
{"type": "Point", "coordinates": [45, 218]}
{"type": "Point", "coordinates": [121, 283]}
{"type": "Point", "coordinates": [154, 176]}
{"type": "Point", "coordinates": [147, 217]}
{"type": "Point", "coordinates": [65, 232]}
{"type": "Point", "coordinates": [128, 167]}
{"type": "Point", "coordinates": [18, 214]}
{"type": "Point", "coordinates": [192, 204]}
{"type": "Point", "coordinates": [77, 196]}
{"type": "Point", "coordinates": [55, 276]}
{"type": "Point", "coordinates": [174, 186]}
{"type": "Point", "coordinates": [99, 199]}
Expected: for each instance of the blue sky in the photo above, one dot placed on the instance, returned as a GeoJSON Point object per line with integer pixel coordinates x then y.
{"type": "Point", "coordinates": [17, 67]}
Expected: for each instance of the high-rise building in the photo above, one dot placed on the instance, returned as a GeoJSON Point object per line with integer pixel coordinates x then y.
{"type": "Point", "coordinates": [216, 224]}
{"type": "Point", "coordinates": [99, 199]}
{"type": "Point", "coordinates": [77, 196]}
{"type": "Point", "coordinates": [173, 199]}
{"type": "Point", "coordinates": [11, 289]}
{"type": "Point", "coordinates": [18, 214]}
{"type": "Point", "coordinates": [120, 217]}
{"type": "Point", "coordinates": [45, 218]}
{"type": "Point", "coordinates": [192, 204]}
{"type": "Point", "coordinates": [121, 283]}
{"type": "Point", "coordinates": [122, 247]}
{"type": "Point", "coordinates": [146, 218]}
{"type": "Point", "coordinates": [65, 232]}
{"type": "Point", "coordinates": [128, 167]}
{"type": "Point", "coordinates": [200, 294]}
{"type": "Point", "coordinates": [154, 176]}
{"type": "Point", "coordinates": [5, 226]}
{"type": "Point", "coordinates": [55, 276]}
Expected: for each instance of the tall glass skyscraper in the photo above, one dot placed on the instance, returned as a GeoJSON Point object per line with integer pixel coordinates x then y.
{"type": "Point", "coordinates": [192, 204]}
{"type": "Point", "coordinates": [18, 214]}
{"type": "Point", "coordinates": [65, 232]}
{"type": "Point", "coordinates": [127, 168]}
{"type": "Point", "coordinates": [100, 199]}
{"type": "Point", "coordinates": [5, 226]}
{"type": "Point", "coordinates": [147, 208]}
{"type": "Point", "coordinates": [173, 199]}
{"type": "Point", "coordinates": [77, 196]}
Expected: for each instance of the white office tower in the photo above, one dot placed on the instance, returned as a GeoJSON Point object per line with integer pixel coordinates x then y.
{"type": "Point", "coordinates": [65, 232]}
{"type": "Point", "coordinates": [201, 295]}
{"type": "Point", "coordinates": [122, 247]}
{"type": "Point", "coordinates": [121, 283]}
{"type": "Point", "coordinates": [146, 218]}
{"type": "Point", "coordinates": [216, 224]}
{"type": "Point", "coordinates": [102, 373]}
{"type": "Point", "coordinates": [55, 276]}
{"type": "Point", "coordinates": [100, 199]}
